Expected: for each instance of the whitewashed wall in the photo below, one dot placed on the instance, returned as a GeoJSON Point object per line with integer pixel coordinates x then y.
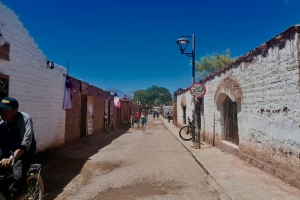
{"type": "Point", "coordinates": [38, 89]}
{"type": "Point", "coordinates": [189, 107]}
{"type": "Point", "coordinates": [269, 110]}
{"type": "Point", "coordinates": [265, 84]}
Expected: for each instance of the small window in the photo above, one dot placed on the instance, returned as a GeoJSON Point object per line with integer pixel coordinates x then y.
{"type": "Point", "coordinates": [4, 51]}
{"type": "Point", "coordinates": [4, 86]}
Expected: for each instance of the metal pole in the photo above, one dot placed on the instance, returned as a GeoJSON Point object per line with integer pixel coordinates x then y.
{"type": "Point", "coordinates": [193, 58]}
{"type": "Point", "coordinates": [196, 140]}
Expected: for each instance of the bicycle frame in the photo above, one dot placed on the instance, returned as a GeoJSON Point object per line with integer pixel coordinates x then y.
{"type": "Point", "coordinates": [192, 125]}
{"type": "Point", "coordinates": [34, 172]}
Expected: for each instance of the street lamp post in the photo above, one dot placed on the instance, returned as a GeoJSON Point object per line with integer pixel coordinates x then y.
{"type": "Point", "coordinates": [183, 42]}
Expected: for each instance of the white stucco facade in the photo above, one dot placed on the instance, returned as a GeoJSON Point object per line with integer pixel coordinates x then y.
{"type": "Point", "coordinates": [186, 100]}
{"type": "Point", "coordinates": [38, 88]}
{"type": "Point", "coordinates": [265, 85]}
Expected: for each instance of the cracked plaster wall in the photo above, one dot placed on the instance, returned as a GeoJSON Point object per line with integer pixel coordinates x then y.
{"type": "Point", "coordinates": [269, 109]}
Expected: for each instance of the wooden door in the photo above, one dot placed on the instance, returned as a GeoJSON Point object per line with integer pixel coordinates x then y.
{"type": "Point", "coordinates": [90, 115]}
{"type": "Point", "coordinates": [231, 121]}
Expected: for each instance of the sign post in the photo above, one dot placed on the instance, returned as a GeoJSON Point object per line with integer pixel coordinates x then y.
{"type": "Point", "coordinates": [197, 90]}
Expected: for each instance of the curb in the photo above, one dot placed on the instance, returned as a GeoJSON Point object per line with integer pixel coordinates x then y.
{"type": "Point", "coordinates": [223, 195]}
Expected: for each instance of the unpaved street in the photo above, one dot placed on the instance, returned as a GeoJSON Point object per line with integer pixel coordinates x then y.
{"type": "Point", "coordinates": [125, 164]}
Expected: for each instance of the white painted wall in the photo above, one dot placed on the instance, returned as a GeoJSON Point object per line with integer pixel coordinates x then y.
{"type": "Point", "coordinates": [38, 89]}
{"type": "Point", "coordinates": [189, 107]}
{"type": "Point", "coordinates": [270, 86]}
{"type": "Point", "coordinates": [268, 110]}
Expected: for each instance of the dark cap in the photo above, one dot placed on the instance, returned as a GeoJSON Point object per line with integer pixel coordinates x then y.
{"type": "Point", "coordinates": [9, 103]}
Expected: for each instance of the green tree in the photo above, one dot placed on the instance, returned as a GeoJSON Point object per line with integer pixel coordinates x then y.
{"type": "Point", "coordinates": [211, 63]}
{"type": "Point", "coordinates": [153, 96]}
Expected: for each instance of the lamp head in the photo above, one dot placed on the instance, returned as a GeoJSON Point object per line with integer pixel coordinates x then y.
{"type": "Point", "coordinates": [182, 42]}
{"type": "Point", "coordinates": [2, 40]}
{"type": "Point", "coordinates": [50, 64]}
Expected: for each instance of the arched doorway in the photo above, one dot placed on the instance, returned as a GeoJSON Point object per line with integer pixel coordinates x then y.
{"type": "Point", "coordinates": [228, 98]}
{"type": "Point", "coordinates": [230, 121]}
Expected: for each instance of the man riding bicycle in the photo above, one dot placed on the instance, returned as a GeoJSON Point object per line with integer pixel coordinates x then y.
{"type": "Point", "coordinates": [17, 138]}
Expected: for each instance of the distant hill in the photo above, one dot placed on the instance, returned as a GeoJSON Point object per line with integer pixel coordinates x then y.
{"type": "Point", "coordinates": [120, 93]}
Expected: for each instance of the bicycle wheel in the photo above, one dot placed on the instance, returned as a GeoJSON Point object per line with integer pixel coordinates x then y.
{"type": "Point", "coordinates": [185, 133]}
{"type": "Point", "coordinates": [35, 189]}
{"type": "Point", "coordinates": [2, 197]}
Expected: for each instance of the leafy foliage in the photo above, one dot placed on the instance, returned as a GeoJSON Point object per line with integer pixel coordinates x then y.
{"type": "Point", "coordinates": [153, 96]}
{"type": "Point", "coordinates": [211, 63]}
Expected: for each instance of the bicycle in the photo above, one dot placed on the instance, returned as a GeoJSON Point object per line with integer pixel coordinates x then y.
{"type": "Point", "coordinates": [35, 184]}
{"type": "Point", "coordinates": [189, 131]}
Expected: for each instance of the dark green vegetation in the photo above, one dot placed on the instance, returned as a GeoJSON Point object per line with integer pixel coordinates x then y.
{"type": "Point", "coordinates": [153, 96]}
{"type": "Point", "coordinates": [211, 63]}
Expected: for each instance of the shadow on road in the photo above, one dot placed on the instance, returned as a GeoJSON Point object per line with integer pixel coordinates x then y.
{"type": "Point", "coordinates": [59, 167]}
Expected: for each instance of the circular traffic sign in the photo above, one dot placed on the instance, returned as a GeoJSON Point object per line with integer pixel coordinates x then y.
{"type": "Point", "coordinates": [197, 90]}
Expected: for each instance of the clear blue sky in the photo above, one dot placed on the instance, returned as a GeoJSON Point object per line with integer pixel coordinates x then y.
{"type": "Point", "coordinates": [130, 44]}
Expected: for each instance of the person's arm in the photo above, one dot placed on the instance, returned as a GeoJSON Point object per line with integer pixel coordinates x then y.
{"type": "Point", "coordinates": [6, 162]}
{"type": "Point", "coordinates": [26, 128]}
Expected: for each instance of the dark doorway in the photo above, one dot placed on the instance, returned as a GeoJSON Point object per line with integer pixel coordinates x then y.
{"type": "Point", "coordinates": [231, 121]}
{"type": "Point", "coordinates": [184, 114]}
{"type": "Point", "coordinates": [83, 115]}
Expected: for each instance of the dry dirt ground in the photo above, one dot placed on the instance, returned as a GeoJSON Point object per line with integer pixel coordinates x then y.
{"type": "Point", "coordinates": [124, 164]}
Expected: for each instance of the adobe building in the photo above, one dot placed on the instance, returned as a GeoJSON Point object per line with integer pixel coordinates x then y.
{"type": "Point", "coordinates": [251, 107]}
{"type": "Point", "coordinates": [38, 84]}
{"type": "Point", "coordinates": [89, 103]}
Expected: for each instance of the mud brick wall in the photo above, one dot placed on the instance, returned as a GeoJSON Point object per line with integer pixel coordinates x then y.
{"type": "Point", "coordinates": [73, 115]}
{"type": "Point", "coordinates": [73, 126]}
{"type": "Point", "coordinates": [100, 96]}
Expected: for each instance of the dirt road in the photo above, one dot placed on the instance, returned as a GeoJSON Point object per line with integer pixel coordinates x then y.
{"type": "Point", "coordinates": [125, 164]}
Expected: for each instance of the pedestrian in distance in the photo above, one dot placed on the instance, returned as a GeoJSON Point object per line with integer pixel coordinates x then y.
{"type": "Point", "coordinates": [169, 115]}
{"type": "Point", "coordinates": [18, 146]}
{"type": "Point", "coordinates": [137, 118]}
{"type": "Point", "coordinates": [154, 114]}
{"type": "Point", "coordinates": [131, 120]}
{"type": "Point", "coordinates": [106, 126]}
{"type": "Point", "coordinates": [144, 121]}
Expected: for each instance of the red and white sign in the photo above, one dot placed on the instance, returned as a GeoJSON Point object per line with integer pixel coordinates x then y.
{"type": "Point", "coordinates": [197, 90]}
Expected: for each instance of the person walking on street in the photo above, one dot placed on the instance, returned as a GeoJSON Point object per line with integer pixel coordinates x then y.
{"type": "Point", "coordinates": [137, 118]}
{"type": "Point", "coordinates": [17, 138]}
{"type": "Point", "coordinates": [169, 115]}
{"type": "Point", "coordinates": [106, 125]}
{"type": "Point", "coordinates": [154, 114]}
{"type": "Point", "coordinates": [143, 121]}
{"type": "Point", "coordinates": [131, 121]}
